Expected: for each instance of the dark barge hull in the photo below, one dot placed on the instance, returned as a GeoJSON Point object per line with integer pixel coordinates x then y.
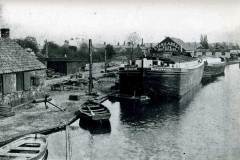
{"type": "Point", "coordinates": [131, 81]}
{"type": "Point", "coordinates": [173, 83]}
{"type": "Point", "coordinates": [167, 82]}
{"type": "Point", "coordinates": [213, 70]}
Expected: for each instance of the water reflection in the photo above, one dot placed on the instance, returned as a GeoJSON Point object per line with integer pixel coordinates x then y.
{"type": "Point", "coordinates": [156, 110]}
{"type": "Point", "coordinates": [96, 127]}
{"type": "Point", "coordinates": [206, 81]}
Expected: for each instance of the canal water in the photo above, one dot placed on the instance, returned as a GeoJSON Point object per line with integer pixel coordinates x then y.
{"type": "Point", "coordinates": [204, 125]}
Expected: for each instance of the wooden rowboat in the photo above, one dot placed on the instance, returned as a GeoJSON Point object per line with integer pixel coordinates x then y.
{"type": "Point", "coordinates": [94, 111]}
{"type": "Point", "coordinates": [29, 147]}
{"type": "Point", "coordinates": [129, 98]}
{"type": "Point", "coordinates": [40, 100]}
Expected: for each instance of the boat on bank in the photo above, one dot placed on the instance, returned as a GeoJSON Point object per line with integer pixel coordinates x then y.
{"type": "Point", "coordinates": [168, 70]}
{"type": "Point", "coordinates": [94, 111]}
{"type": "Point", "coordinates": [213, 67]}
{"type": "Point", "coordinates": [29, 147]}
{"type": "Point", "coordinates": [129, 98]}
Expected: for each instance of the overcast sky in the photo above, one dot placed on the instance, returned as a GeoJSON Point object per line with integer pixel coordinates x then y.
{"type": "Point", "coordinates": [112, 21]}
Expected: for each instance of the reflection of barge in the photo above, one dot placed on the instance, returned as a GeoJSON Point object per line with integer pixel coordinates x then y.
{"type": "Point", "coordinates": [167, 71]}
{"type": "Point", "coordinates": [213, 67]}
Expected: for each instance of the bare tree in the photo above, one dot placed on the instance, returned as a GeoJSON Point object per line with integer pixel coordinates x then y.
{"type": "Point", "coordinates": [134, 38]}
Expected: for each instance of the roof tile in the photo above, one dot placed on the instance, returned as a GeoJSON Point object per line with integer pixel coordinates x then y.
{"type": "Point", "coordinates": [13, 58]}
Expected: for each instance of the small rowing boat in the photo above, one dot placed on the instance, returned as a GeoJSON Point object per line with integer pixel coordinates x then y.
{"type": "Point", "coordinates": [129, 98]}
{"type": "Point", "coordinates": [91, 110]}
{"type": "Point", "coordinates": [29, 147]}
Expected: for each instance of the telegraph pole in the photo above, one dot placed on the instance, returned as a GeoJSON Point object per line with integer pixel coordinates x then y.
{"type": "Point", "coordinates": [90, 85]}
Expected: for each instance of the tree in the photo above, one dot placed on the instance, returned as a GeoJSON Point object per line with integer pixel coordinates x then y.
{"type": "Point", "coordinates": [84, 48]}
{"type": "Point", "coordinates": [29, 42]}
{"type": "Point", "coordinates": [110, 51]}
{"type": "Point", "coordinates": [53, 49]}
{"type": "Point", "coordinates": [134, 38]}
{"type": "Point", "coordinates": [204, 42]}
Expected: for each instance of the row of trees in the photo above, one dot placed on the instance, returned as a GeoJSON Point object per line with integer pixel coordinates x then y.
{"type": "Point", "coordinates": [221, 46]}
{"type": "Point", "coordinates": [72, 52]}
{"type": "Point", "coordinates": [56, 51]}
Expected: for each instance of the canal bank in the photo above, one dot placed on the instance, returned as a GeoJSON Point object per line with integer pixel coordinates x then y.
{"type": "Point", "coordinates": [35, 118]}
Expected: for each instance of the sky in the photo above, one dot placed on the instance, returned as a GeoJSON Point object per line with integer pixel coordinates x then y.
{"type": "Point", "coordinates": [112, 21]}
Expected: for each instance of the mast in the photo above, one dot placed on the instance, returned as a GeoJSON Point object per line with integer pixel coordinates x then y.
{"type": "Point", "coordinates": [131, 52]}
{"type": "Point", "coordinates": [105, 59]}
{"type": "Point", "coordinates": [46, 52]}
{"type": "Point", "coordinates": [90, 85]}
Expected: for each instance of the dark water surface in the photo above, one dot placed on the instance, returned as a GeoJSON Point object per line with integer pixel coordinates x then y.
{"type": "Point", "coordinates": [205, 124]}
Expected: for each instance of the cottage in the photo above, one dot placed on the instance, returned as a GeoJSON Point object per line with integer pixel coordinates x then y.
{"type": "Point", "coordinates": [21, 74]}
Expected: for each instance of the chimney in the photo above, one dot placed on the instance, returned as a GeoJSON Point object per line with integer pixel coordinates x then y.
{"type": "Point", "coordinates": [5, 32]}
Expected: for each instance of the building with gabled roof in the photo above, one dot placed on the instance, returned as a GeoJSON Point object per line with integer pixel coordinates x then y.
{"type": "Point", "coordinates": [175, 46]}
{"type": "Point", "coordinates": [22, 75]}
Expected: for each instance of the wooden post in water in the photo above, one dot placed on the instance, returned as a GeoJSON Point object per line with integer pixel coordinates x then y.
{"type": "Point", "coordinates": [68, 144]}
{"type": "Point", "coordinates": [90, 85]}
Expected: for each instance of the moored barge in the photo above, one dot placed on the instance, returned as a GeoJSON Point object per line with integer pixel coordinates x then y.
{"type": "Point", "coordinates": [213, 67]}
{"type": "Point", "coordinates": [168, 71]}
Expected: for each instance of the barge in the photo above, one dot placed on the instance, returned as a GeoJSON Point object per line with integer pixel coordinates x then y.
{"type": "Point", "coordinates": [168, 71]}
{"type": "Point", "coordinates": [213, 67]}
{"type": "Point", "coordinates": [160, 78]}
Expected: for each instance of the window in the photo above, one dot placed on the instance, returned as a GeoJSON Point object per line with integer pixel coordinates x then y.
{"type": "Point", "coordinates": [35, 81]}
{"type": "Point", "coordinates": [155, 62]}
{"type": "Point", "coordinates": [20, 81]}
{"type": "Point", "coordinates": [1, 84]}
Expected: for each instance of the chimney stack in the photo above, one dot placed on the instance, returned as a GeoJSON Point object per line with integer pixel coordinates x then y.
{"type": "Point", "coordinates": [5, 32]}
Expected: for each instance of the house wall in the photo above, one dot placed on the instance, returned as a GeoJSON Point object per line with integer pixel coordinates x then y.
{"type": "Point", "coordinates": [208, 53]}
{"type": "Point", "coordinates": [9, 83]}
{"type": "Point", "coordinates": [216, 54]}
{"type": "Point", "coordinates": [12, 97]}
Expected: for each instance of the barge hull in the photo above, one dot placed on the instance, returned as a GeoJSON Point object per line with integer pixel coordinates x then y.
{"type": "Point", "coordinates": [171, 84]}
{"type": "Point", "coordinates": [213, 70]}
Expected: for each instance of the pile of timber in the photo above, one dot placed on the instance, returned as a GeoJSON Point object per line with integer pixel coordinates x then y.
{"type": "Point", "coordinates": [6, 111]}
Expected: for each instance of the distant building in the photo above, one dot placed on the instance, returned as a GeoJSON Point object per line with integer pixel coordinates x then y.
{"type": "Point", "coordinates": [21, 74]}
{"type": "Point", "coordinates": [174, 46]}
{"type": "Point", "coordinates": [64, 65]}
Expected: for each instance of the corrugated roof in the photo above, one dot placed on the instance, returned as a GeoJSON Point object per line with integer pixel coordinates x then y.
{"type": "Point", "coordinates": [13, 58]}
